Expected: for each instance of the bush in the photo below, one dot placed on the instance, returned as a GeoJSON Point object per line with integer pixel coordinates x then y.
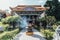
{"type": "Point", "coordinates": [48, 34]}
{"type": "Point", "coordinates": [8, 35]}
{"type": "Point", "coordinates": [58, 22]}
{"type": "Point", "coordinates": [11, 20]}
{"type": "Point", "coordinates": [5, 26]}
{"type": "Point", "coordinates": [54, 27]}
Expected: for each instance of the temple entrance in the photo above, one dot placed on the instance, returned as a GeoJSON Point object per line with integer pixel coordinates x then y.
{"type": "Point", "coordinates": [29, 16]}
{"type": "Point", "coordinates": [30, 19]}
{"type": "Point", "coordinates": [29, 13]}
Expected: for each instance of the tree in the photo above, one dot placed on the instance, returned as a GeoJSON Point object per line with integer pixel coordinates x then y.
{"type": "Point", "coordinates": [48, 34]}
{"type": "Point", "coordinates": [11, 20]}
{"type": "Point", "coordinates": [48, 20]}
{"type": "Point", "coordinates": [49, 4]}
{"type": "Point", "coordinates": [54, 8]}
{"type": "Point", "coordinates": [57, 9]}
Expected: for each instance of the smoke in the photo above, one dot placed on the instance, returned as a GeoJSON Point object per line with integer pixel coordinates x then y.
{"type": "Point", "coordinates": [23, 22]}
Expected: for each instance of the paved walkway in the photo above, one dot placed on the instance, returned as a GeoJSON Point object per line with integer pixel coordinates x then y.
{"type": "Point", "coordinates": [55, 37]}
{"type": "Point", "coordinates": [22, 35]}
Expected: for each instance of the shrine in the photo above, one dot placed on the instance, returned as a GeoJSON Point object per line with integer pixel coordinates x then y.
{"type": "Point", "coordinates": [31, 12]}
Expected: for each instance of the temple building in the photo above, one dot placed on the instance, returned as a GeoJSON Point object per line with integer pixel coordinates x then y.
{"type": "Point", "coordinates": [32, 12]}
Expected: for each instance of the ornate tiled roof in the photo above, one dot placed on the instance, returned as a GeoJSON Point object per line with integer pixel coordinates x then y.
{"type": "Point", "coordinates": [29, 8]}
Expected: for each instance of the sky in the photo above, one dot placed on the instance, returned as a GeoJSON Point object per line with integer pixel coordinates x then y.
{"type": "Point", "coordinates": [5, 4]}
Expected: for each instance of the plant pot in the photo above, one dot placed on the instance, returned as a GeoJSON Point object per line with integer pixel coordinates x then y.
{"type": "Point", "coordinates": [29, 33]}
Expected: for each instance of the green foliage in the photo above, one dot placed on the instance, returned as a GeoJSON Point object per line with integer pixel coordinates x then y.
{"type": "Point", "coordinates": [42, 30]}
{"type": "Point", "coordinates": [54, 8]}
{"type": "Point", "coordinates": [54, 27]}
{"type": "Point", "coordinates": [48, 34]}
{"type": "Point", "coordinates": [10, 19]}
{"type": "Point", "coordinates": [43, 19]}
{"type": "Point", "coordinates": [58, 22]}
{"type": "Point", "coordinates": [49, 19]}
{"type": "Point", "coordinates": [5, 26]}
{"type": "Point", "coordinates": [9, 35]}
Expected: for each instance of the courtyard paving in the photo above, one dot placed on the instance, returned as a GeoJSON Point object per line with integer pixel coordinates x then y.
{"type": "Point", "coordinates": [55, 37]}
{"type": "Point", "coordinates": [36, 36]}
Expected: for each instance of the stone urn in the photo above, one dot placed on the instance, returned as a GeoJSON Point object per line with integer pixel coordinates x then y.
{"type": "Point", "coordinates": [29, 30]}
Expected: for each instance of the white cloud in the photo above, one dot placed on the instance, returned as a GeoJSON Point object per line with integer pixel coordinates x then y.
{"type": "Point", "coordinates": [59, 0]}
{"type": "Point", "coordinates": [5, 4]}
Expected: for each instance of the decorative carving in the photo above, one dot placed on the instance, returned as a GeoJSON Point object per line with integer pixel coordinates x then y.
{"type": "Point", "coordinates": [29, 9]}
